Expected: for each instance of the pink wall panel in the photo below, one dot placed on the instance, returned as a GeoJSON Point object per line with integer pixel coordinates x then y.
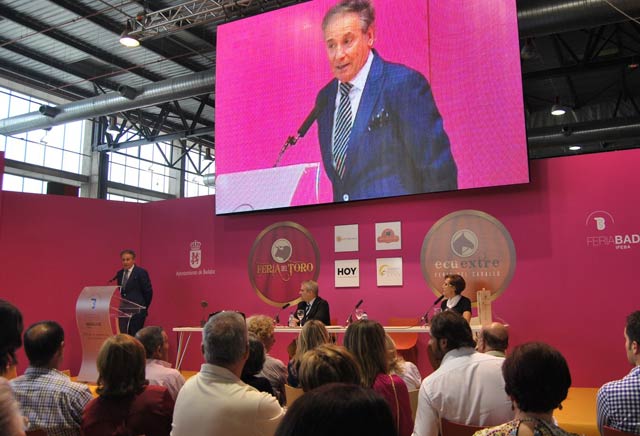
{"type": "Point", "coordinates": [565, 290]}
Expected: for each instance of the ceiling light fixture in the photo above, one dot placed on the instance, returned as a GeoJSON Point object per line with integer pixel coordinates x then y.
{"type": "Point", "coordinates": [112, 125]}
{"type": "Point", "coordinates": [575, 147]}
{"type": "Point", "coordinates": [207, 154]}
{"type": "Point", "coordinates": [126, 39]}
{"type": "Point", "coordinates": [557, 109]}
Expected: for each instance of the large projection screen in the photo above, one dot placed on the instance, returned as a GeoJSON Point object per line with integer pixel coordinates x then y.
{"type": "Point", "coordinates": [271, 67]}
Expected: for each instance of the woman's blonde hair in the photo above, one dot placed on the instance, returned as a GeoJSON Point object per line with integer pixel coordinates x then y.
{"type": "Point", "coordinates": [328, 363]}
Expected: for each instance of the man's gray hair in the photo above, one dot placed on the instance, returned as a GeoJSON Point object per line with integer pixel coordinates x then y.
{"type": "Point", "coordinates": [225, 339]}
{"type": "Point", "coordinates": [363, 8]}
{"type": "Point", "coordinates": [151, 338]}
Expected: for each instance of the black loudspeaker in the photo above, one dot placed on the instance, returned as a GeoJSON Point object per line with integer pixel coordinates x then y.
{"type": "Point", "coordinates": [55, 188]}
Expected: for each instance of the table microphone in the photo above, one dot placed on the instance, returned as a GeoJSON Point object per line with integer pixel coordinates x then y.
{"type": "Point", "coordinates": [277, 317]}
{"type": "Point", "coordinates": [350, 320]}
{"type": "Point", "coordinates": [425, 318]}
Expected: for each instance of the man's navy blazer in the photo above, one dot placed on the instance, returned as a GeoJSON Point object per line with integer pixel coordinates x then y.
{"type": "Point", "coordinates": [138, 287]}
{"type": "Point", "coordinates": [319, 311]}
{"type": "Point", "coordinates": [397, 145]}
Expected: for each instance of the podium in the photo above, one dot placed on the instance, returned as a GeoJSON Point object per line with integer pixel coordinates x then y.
{"type": "Point", "coordinates": [99, 311]}
{"type": "Point", "coordinates": [267, 188]}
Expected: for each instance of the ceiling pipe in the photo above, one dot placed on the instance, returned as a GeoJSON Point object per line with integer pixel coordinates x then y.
{"type": "Point", "coordinates": [156, 93]}
{"type": "Point", "coordinates": [584, 133]}
{"type": "Point", "coordinates": [544, 17]}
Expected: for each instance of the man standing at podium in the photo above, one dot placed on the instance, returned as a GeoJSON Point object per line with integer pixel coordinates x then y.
{"type": "Point", "coordinates": [135, 285]}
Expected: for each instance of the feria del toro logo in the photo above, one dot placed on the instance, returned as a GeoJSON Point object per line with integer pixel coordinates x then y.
{"type": "Point", "coordinates": [473, 244]}
{"type": "Point", "coordinates": [282, 256]}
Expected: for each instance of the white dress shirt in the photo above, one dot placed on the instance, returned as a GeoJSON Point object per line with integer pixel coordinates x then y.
{"type": "Point", "coordinates": [160, 373]}
{"type": "Point", "coordinates": [216, 402]}
{"type": "Point", "coordinates": [468, 388]}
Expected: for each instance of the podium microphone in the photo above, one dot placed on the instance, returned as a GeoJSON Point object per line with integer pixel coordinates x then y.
{"type": "Point", "coordinates": [425, 318]}
{"type": "Point", "coordinates": [350, 319]}
{"type": "Point", "coordinates": [304, 128]}
{"type": "Point", "coordinates": [277, 317]}
{"type": "Point", "coordinates": [114, 277]}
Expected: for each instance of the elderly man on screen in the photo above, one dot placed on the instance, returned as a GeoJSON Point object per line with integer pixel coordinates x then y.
{"type": "Point", "coordinates": [379, 130]}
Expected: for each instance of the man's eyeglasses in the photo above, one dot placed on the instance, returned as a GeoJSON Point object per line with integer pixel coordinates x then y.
{"type": "Point", "coordinates": [234, 311]}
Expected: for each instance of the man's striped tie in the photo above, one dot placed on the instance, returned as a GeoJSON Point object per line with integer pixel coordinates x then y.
{"type": "Point", "coordinates": [342, 129]}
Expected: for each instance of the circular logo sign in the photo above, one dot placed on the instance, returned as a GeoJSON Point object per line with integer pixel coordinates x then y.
{"type": "Point", "coordinates": [282, 256]}
{"type": "Point", "coordinates": [473, 244]}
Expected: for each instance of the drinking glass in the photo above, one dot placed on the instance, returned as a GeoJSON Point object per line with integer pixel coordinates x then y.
{"type": "Point", "coordinates": [359, 313]}
{"type": "Point", "coordinates": [300, 314]}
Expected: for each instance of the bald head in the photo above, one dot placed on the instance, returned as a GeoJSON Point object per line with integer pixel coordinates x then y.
{"type": "Point", "coordinates": [494, 337]}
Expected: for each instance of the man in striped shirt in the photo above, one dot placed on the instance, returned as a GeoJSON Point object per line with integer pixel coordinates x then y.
{"type": "Point", "coordinates": [619, 401]}
{"type": "Point", "coordinates": [47, 397]}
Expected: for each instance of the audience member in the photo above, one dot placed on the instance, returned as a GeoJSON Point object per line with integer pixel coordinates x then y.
{"type": "Point", "coordinates": [493, 340]}
{"type": "Point", "coordinates": [10, 338]}
{"type": "Point", "coordinates": [127, 405]}
{"type": "Point", "coordinates": [254, 365]}
{"type": "Point", "coordinates": [365, 339]}
{"type": "Point", "coordinates": [618, 403]}
{"type": "Point", "coordinates": [158, 370]}
{"type": "Point", "coordinates": [407, 371]}
{"type": "Point", "coordinates": [47, 397]}
{"type": "Point", "coordinates": [215, 401]}
{"type": "Point", "coordinates": [328, 363]}
{"type": "Point", "coordinates": [273, 369]}
{"type": "Point", "coordinates": [338, 409]}
{"type": "Point", "coordinates": [467, 388]}
{"type": "Point", "coordinates": [314, 307]}
{"type": "Point", "coordinates": [313, 333]}
{"type": "Point", "coordinates": [537, 380]}
{"type": "Point", "coordinates": [11, 422]}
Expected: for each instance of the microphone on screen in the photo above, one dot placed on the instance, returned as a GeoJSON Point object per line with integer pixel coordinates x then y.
{"type": "Point", "coordinates": [276, 319]}
{"type": "Point", "coordinates": [304, 128]}
{"type": "Point", "coordinates": [113, 279]}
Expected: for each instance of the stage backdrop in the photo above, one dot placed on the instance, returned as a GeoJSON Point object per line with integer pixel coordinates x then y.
{"type": "Point", "coordinates": [575, 232]}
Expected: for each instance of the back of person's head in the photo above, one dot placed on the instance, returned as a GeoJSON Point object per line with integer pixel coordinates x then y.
{"type": "Point", "coordinates": [495, 337]}
{"type": "Point", "coordinates": [42, 341]}
{"type": "Point", "coordinates": [363, 8]}
{"type": "Point", "coordinates": [328, 363]}
{"type": "Point", "coordinates": [262, 326]}
{"type": "Point", "coordinates": [151, 339]}
{"type": "Point", "coordinates": [256, 359]}
{"type": "Point", "coordinates": [338, 409]}
{"type": "Point", "coordinates": [632, 329]}
{"type": "Point", "coordinates": [537, 377]}
{"type": "Point", "coordinates": [225, 339]}
{"type": "Point", "coordinates": [366, 340]}
{"type": "Point", "coordinates": [457, 281]}
{"type": "Point", "coordinates": [450, 325]}
{"type": "Point", "coordinates": [121, 367]}
{"type": "Point", "coordinates": [10, 334]}
{"type": "Point", "coordinates": [313, 333]}
{"type": "Point", "coordinates": [394, 359]}
{"type": "Point", "coordinates": [11, 423]}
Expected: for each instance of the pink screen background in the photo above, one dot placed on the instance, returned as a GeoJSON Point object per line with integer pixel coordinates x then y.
{"type": "Point", "coordinates": [270, 68]}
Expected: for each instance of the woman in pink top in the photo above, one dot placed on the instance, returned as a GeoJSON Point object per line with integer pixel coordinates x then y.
{"type": "Point", "coordinates": [366, 340]}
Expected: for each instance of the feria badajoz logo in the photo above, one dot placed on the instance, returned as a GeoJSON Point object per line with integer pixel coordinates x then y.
{"type": "Point", "coordinates": [604, 232]}
{"type": "Point", "coordinates": [473, 244]}
{"type": "Point", "coordinates": [282, 256]}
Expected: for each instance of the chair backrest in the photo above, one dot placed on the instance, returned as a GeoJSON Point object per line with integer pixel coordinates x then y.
{"type": "Point", "coordinates": [36, 433]}
{"type": "Point", "coordinates": [454, 429]}
{"type": "Point", "coordinates": [413, 400]}
{"type": "Point", "coordinates": [608, 431]}
{"type": "Point", "coordinates": [404, 341]}
{"type": "Point", "coordinates": [292, 394]}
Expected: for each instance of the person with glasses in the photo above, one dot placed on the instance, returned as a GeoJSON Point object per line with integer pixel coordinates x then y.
{"type": "Point", "coordinates": [452, 289]}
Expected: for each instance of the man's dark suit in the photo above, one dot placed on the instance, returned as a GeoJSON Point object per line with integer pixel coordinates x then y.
{"type": "Point", "coordinates": [319, 310]}
{"type": "Point", "coordinates": [398, 144]}
{"type": "Point", "coordinates": [137, 289]}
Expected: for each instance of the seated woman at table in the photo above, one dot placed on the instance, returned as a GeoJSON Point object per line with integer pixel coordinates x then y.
{"type": "Point", "coordinates": [313, 333]}
{"type": "Point", "coordinates": [365, 339]}
{"type": "Point", "coordinates": [127, 404]}
{"type": "Point", "coordinates": [452, 289]}
{"type": "Point", "coordinates": [537, 379]}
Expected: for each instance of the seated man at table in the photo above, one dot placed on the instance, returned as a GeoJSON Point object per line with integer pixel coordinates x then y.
{"type": "Point", "coordinates": [314, 307]}
{"type": "Point", "coordinates": [467, 387]}
{"type": "Point", "coordinates": [158, 369]}
{"type": "Point", "coordinates": [618, 402]}
{"type": "Point", "coordinates": [47, 397]}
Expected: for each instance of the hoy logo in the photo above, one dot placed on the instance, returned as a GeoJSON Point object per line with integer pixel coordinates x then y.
{"type": "Point", "coordinates": [349, 271]}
